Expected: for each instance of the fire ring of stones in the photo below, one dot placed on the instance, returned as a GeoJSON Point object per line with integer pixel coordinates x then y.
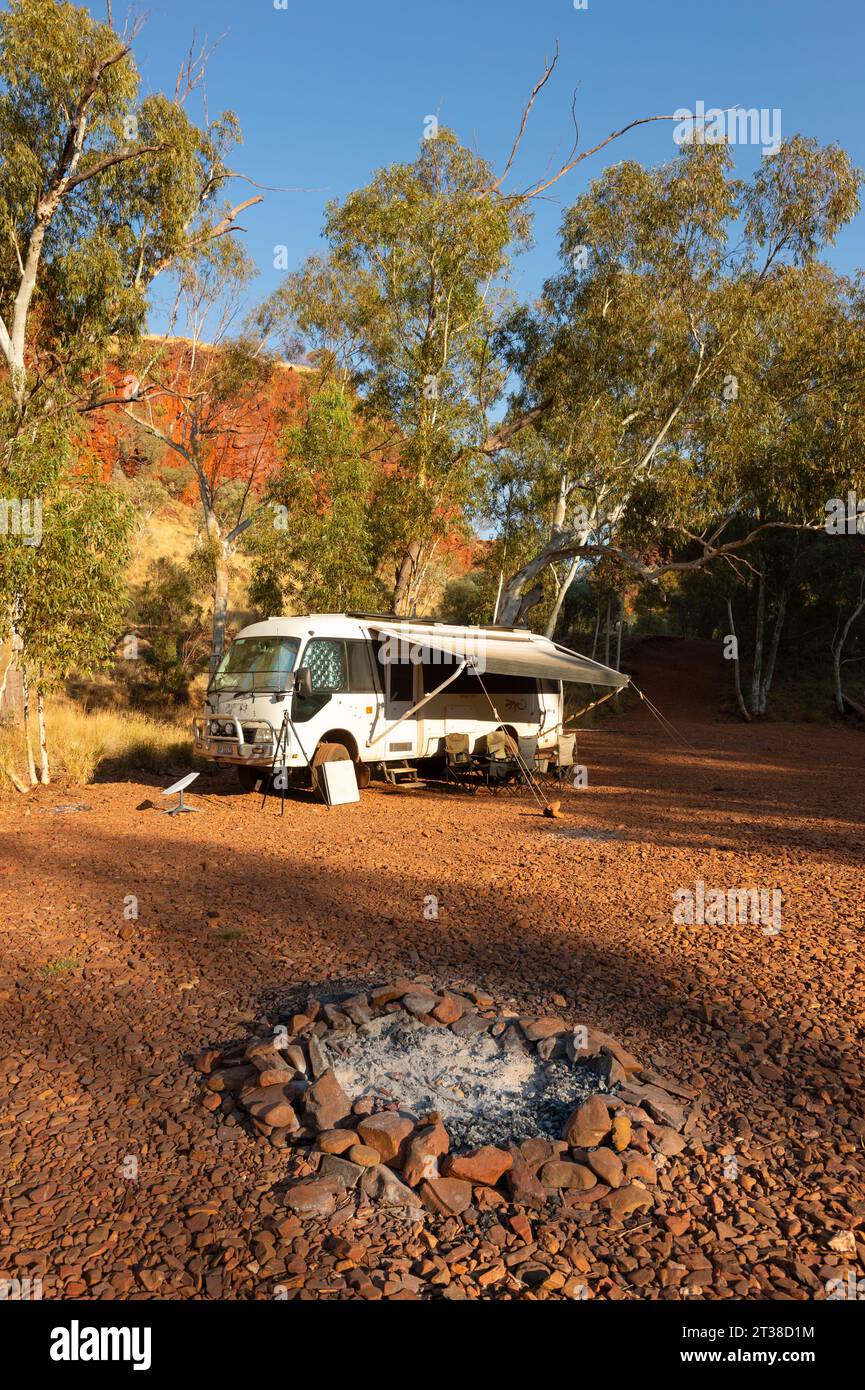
{"type": "Point", "coordinates": [425, 1099]}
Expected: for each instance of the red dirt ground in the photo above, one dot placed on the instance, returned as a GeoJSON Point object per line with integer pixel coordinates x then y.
{"type": "Point", "coordinates": [102, 1016]}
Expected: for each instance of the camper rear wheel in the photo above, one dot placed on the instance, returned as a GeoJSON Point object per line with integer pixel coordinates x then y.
{"type": "Point", "coordinates": [326, 753]}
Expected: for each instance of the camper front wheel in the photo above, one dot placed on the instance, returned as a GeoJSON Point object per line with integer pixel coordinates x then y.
{"type": "Point", "coordinates": [326, 753]}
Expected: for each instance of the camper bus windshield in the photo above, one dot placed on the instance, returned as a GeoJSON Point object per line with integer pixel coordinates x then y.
{"type": "Point", "coordinates": [256, 663]}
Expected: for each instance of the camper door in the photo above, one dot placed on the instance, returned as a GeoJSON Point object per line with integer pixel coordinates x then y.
{"type": "Point", "coordinates": [344, 690]}
{"type": "Point", "coordinates": [397, 672]}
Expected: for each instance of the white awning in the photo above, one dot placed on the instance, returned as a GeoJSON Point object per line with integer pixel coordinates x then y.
{"type": "Point", "coordinates": [507, 653]}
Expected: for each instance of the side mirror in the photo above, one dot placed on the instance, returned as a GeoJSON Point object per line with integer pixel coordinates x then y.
{"type": "Point", "coordinates": [303, 683]}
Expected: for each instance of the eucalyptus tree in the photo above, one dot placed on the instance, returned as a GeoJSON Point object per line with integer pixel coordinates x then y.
{"type": "Point", "coordinates": [404, 307]}
{"type": "Point", "coordinates": [203, 390]}
{"type": "Point", "coordinates": [677, 284]}
{"type": "Point", "coordinates": [405, 304]}
{"type": "Point", "coordinates": [792, 439]}
{"type": "Point", "coordinates": [62, 582]}
{"type": "Point", "coordinates": [320, 547]}
{"type": "Point", "coordinates": [101, 190]}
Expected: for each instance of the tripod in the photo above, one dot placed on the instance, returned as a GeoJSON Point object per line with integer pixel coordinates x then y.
{"type": "Point", "coordinates": [281, 745]}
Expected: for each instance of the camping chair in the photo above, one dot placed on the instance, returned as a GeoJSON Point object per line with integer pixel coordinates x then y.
{"type": "Point", "coordinates": [528, 751]}
{"type": "Point", "coordinates": [497, 764]}
{"type": "Point", "coordinates": [532, 765]}
{"type": "Point", "coordinates": [459, 767]}
{"type": "Point", "coordinates": [566, 756]}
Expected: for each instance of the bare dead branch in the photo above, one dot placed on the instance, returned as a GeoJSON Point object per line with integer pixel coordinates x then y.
{"type": "Point", "coordinates": [225, 225]}
{"type": "Point", "coordinates": [535, 189]}
{"type": "Point", "coordinates": [710, 552]}
{"type": "Point", "coordinates": [542, 81]}
{"type": "Point", "coordinates": [193, 69]}
{"type": "Point", "coordinates": [269, 187]}
{"type": "Point", "coordinates": [541, 185]}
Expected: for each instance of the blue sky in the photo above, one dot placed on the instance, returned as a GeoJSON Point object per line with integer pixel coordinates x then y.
{"type": "Point", "coordinates": [328, 93]}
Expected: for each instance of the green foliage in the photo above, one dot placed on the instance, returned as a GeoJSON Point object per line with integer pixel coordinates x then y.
{"type": "Point", "coordinates": [580, 609]}
{"type": "Point", "coordinates": [318, 549]}
{"type": "Point", "coordinates": [66, 595]}
{"type": "Point", "coordinates": [62, 966]}
{"type": "Point", "coordinates": [143, 194]}
{"type": "Point", "coordinates": [403, 307]}
{"type": "Point", "coordinates": [692, 363]}
{"type": "Point", "coordinates": [800, 199]}
{"type": "Point", "coordinates": [468, 600]}
{"type": "Point", "coordinates": [168, 614]}
{"type": "Point", "coordinates": [147, 495]}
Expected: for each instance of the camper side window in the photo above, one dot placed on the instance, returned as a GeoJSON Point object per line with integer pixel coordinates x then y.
{"type": "Point", "coordinates": [467, 682]}
{"type": "Point", "coordinates": [360, 677]}
{"type": "Point", "coordinates": [400, 676]}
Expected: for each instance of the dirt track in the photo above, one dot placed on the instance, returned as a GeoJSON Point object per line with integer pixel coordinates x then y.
{"type": "Point", "coordinates": [237, 907]}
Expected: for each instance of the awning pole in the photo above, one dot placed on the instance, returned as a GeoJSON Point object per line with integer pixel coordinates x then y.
{"type": "Point", "coordinates": [595, 703]}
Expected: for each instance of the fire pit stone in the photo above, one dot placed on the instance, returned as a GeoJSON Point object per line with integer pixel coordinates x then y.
{"type": "Point", "coordinates": [409, 1096]}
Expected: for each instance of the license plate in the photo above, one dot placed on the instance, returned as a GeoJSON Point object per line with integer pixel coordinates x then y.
{"type": "Point", "coordinates": [226, 748]}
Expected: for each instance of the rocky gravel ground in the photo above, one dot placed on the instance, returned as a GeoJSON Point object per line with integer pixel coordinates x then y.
{"type": "Point", "coordinates": [130, 941]}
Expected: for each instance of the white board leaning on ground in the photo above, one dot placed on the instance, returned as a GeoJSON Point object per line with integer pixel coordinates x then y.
{"type": "Point", "coordinates": [340, 783]}
{"type": "Point", "coordinates": [381, 689]}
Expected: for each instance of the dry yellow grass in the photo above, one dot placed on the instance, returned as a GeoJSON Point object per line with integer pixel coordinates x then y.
{"type": "Point", "coordinates": [80, 744]}
{"type": "Point", "coordinates": [171, 533]}
{"type": "Point", "coordinates": [174, 534]}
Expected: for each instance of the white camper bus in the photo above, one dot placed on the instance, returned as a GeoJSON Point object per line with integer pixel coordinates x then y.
{"type": "Point", "coordinates": [380, 690]}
